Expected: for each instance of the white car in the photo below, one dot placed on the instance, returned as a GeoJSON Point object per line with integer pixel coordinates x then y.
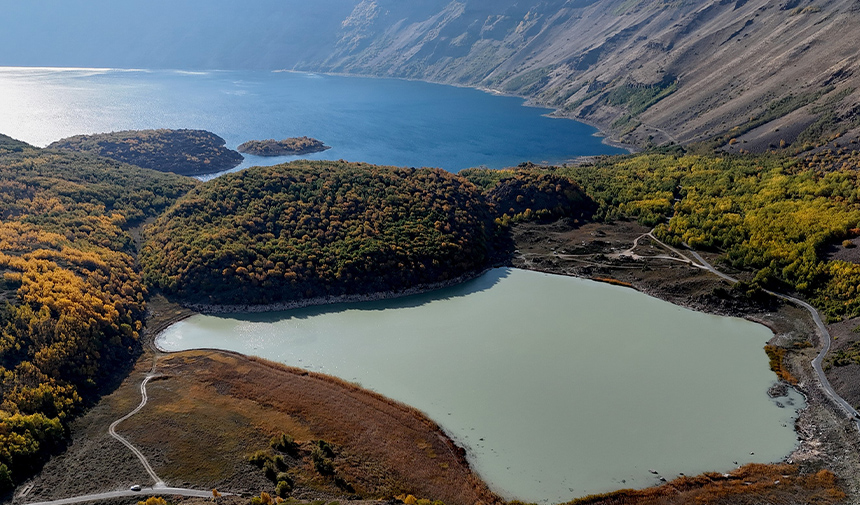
{"type": "Point", "coordinates": [135, 487]}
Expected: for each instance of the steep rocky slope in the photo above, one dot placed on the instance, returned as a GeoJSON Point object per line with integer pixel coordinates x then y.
{"type": "Point", "coordinates": [770, 72]}
{"type": "Point", "coordinates": [783, 72]}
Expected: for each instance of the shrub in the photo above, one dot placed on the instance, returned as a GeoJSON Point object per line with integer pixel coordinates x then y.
{"type": "Point", "coordinates": [6, 483]}
{"type": "Point", "coordinates": [326, 448]}
{"type": "Point", "coordinates": [279, 462]}
{"type": "Point", "coordinates": [341, 483]}
{"type": "Point", "coordinates": [322, 464]}
{"type": "Point", "coordinates": [283, 488]}
{"type": "Point", "coordinates": [258, 459]}
{"type": "Point", "coordinates": [776, 356]}
{"type": "Point", "coordinates": [285, 477]}
{"type": "Point", "coordinates": [270, 470]}
{"type": "Point", "coordinates": [284, 443]}
{"type": "Point", "coordinates": [153, 500]}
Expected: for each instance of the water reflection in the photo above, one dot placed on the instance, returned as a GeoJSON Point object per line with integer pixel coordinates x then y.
{"type": "Point", "coordinates": [471, 287]}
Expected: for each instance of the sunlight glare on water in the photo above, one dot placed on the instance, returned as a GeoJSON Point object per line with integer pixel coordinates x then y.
{"type": "Point", "coordinates": [381, 121]}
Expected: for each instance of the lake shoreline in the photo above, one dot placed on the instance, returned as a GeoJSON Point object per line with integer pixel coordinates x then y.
{"type": "Point", "coordinates": [470, 442]}
{"type": "Point", "coordinates": [206, 308]}
{"type": "Point", "coordinates": [823, 431]}
{"type": "Point", "coordinates": [556, 113]}
{"type": "Point", "coordinates": [373, 134]}
{"type": "Point", "coordinates": [812, 424]}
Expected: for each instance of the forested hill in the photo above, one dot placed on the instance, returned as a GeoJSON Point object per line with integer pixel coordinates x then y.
{"type": "Point", "coordinates": [71, 300]}
{"type": "Point", "coordinates": [312, 229]}
{"type": "Point", "coordinates": [8, 145]}
{"type": "Point", "coordinates": [185, 152]}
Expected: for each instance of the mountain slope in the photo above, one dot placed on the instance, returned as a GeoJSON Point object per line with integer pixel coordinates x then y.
{"type": "Point", "coordinates": [188, 35]}
{"type": "Point", "coordinates": [647, 70]}
{"type": "Point", "coordinates": [783, 72]}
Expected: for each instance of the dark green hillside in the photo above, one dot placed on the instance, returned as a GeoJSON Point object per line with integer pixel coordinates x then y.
{"type": "Point", "coordinates": [71, 301]}
{"type": "Point", "coordinates": [525, 194]}
{"type": "Point", "coordinates": [8, 144]}
{"type": "Point", "coordinates": [309, 229]}
{"type": "Point", "coordinates": [186, 152]}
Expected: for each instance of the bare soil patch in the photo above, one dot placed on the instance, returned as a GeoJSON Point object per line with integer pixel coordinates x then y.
{"type": "Point", "coordinates": [589, 250]}
{"type": "Point", "coordinates": [850, 254]}
{"type": "Point", "coordinates": [844, 375]}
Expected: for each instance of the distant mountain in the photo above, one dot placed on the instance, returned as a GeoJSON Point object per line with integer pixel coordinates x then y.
{"type": "Point", "coordinates": [736, 74]}
{"type": "Point", "coordinates": [180, 34]}
{"type": "Point", "coordinates": [767, 73]}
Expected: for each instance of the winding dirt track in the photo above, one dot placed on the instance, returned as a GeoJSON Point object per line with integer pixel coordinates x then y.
{"type": "Point", "coordinates": [143, 493]}
{"type": "Point", "coordinates": [159, 487]}
{"type": "Point", "coordinates": [112, 430]}
{"type": "Point", "coordinates": [826, 339]}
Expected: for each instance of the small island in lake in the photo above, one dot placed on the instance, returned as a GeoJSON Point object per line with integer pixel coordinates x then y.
{"type": "Point", "coordinates": [286, 147]}
{"type": "Point", "coordinates": [184, 152]}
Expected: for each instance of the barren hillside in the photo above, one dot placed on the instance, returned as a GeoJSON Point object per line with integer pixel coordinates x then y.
{"type": "Point", "coordinates": [649, 71]}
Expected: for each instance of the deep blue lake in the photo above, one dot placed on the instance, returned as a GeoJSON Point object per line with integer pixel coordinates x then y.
{"type": "Point", "coordinates": [381, 121]}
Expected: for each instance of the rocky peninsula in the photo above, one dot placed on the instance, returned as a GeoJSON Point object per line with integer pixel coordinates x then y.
{"type": "Point", "coordinates": [184, 152]}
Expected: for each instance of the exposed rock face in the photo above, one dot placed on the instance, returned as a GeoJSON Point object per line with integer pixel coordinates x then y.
{"type": "Point", "coordinates": [784, 72]}
{"type": "Point", "coordinates": [647, 71]}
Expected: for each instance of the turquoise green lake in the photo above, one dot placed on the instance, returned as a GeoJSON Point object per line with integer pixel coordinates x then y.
{"type": "Point", "coordinates": [557, 387]}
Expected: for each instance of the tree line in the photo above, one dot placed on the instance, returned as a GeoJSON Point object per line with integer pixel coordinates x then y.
{"type": "Point", "coordinates": [310, 229]}
{"type": "Point", "coordinates": [72, 300]}
{"type": "Point", "coordinates": [775, 215]}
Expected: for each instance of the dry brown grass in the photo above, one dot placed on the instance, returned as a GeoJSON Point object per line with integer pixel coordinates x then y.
{"type": "Point", "coordinates": [751, 484]}
{"type": "Point", "coordinates": [212, 409]}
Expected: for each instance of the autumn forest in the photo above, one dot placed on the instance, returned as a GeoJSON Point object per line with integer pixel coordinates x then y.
{"type": "Point", "coordinates": [73, 299]}
{"type": "Point", "coordinates": [74, 287]}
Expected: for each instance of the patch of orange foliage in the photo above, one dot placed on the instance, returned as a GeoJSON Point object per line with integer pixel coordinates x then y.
{"type": "Point", "coordinates": [614, 282]}
{"type": "Point", "coordinates": [777, 363]}
{"type": "Point", "coordinates": [383, 448]}
{"type": "Point", "coordinates": [750, 484]}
